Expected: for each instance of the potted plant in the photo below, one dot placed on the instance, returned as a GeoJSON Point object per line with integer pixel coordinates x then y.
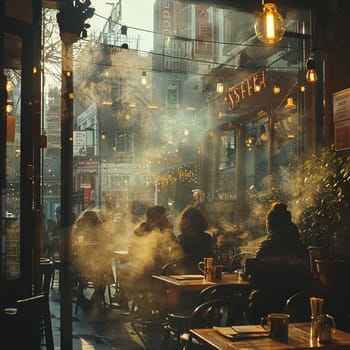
{"type": "Point", "coordinates": [323, 195]}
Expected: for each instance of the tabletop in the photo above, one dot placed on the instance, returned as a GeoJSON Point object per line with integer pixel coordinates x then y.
{"type": "Point", "coordinates": [298, 339]}
{"type": "Point", "coordinates": [193, 283]}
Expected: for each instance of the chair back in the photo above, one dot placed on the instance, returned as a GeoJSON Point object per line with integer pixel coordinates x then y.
{"type": "Point", "coordinates": [241, 262]}
{"type": "Point", "coordinates": [298, 307]}
{"type": "Point", "coordinates": [184, 265]}
{"type": "Point", "coordinates": [225, 254]}
{"type": "Point", "coordinates": [46, 269]}
{"type": "Point", "coordinates": [217, 312]}
{"type": "Point", "coordinates": [237, 296]}
{"type": "Point", "coordinates": [316, 253]}
{"type": "Point", "coordinates": [93, 262]}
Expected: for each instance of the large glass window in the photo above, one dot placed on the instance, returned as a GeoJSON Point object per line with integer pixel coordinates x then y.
{"type": "Point", "coordinates": [11, 197]}
{"type": "Point", "coordinates": [147, 106]}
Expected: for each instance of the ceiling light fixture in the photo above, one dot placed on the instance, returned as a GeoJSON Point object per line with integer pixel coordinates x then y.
{"type": "Point", "coordinates": [290, 103]}
{"type": "Point", "coordinates": [269, 24]}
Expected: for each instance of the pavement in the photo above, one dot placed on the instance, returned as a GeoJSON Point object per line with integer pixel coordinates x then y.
{"type": "Point", "coordinates": [115, 329]}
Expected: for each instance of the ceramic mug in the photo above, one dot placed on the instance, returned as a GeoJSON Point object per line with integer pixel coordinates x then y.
{"type": "Point", "coordinates": [277, 325]}
{"type": "Point", "coordinates": [205, 266]}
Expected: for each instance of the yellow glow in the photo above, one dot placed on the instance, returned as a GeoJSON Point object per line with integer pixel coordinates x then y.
{"type": "Point", "coordinates": [270, 26]}
{"type": "Point", "coordinates": [9, 86]}
{"type": "Point", "coordinates": [9, 108]}
{"type": "Point", "coordinates": [276, 89]}
{"type": "Point", "coordinates": [107, 103]}
{"type": "Point", "coordinates": [152, 107]}
{"type": "Point", "coordinates": [311, 76]}
{"type": "Point", "coordinates": [219, 88]}
{"type": "Point", "coordinates": [257, 88]}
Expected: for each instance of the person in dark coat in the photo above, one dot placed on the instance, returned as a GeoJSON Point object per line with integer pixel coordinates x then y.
{"type": "Point", "coordinates": [281, 266]}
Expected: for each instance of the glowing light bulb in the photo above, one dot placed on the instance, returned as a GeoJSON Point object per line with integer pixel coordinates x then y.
{"type": "Point", "coordinates": [276, 89]}
{"type": "Point", "coordinates": [269, 25]}
{"type": "Point", "coordinates": [311, 74]}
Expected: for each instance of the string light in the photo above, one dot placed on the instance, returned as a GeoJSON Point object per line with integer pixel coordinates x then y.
{"type": "Point", "coordinates": [311, 74]}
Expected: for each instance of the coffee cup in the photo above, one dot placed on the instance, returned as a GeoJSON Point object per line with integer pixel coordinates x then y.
{"type": "Point", "coordinates": [205, 266]}
{"type": "Point", "coordinates": [277, 325]}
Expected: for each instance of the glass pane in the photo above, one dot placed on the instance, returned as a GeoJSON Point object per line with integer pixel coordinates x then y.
{"type": "Point", "coordinates": [13, 157]}
{"type": "Point", "coordinates": [149, 123]}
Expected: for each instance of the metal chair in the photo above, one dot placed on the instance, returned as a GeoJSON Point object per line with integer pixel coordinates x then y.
{"type": "Point", "coordinates": [236, 295]}
{"type": "Point", "coordinates": [217, 312]}
{"type": "Point", "coordinates": [46, 269]}
{"type": "Point", "coordinates": [298, 307]}
{"type": "Point", "coordinates": [178, 321]}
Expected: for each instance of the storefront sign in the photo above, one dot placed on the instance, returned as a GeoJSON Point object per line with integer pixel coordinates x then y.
{"type": "Point", "coordinates": [167, 17]}
{"type": "Point", "coordinates": [341, 105]}
{"type": "Point", "coordinates": [342, 135]}
{"type": "Point", "coordinates": [246, 88]}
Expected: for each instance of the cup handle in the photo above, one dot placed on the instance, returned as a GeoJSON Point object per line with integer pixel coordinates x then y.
{"type": "Point", "coordinates": [201, 266]}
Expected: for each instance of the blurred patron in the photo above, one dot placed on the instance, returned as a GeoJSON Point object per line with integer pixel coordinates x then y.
{"type": "Point", "coordinates": [195, 242]}
{"type": "Point", "coordinates": [281, 266]}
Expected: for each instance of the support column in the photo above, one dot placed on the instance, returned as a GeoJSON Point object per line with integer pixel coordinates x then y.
{"type": "Point", "coordinates": [66, 196]}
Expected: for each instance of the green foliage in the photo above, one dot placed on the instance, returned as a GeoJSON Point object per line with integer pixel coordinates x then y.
{"type": "Point", "coordinates": [323, 191]}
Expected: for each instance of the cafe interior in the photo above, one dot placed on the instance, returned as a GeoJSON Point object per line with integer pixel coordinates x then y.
{"type": "Point", "coordinates": [323, 73]}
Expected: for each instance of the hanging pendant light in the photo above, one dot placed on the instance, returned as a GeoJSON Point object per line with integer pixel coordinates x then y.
{"type": "Point", "coordinates": [311, 74]}
{"type": "Point", "coordinates": [269, 24]}
{"type": "Point", "coordinates": [276, 88]}
{"type": "Point", "coordinates": [290, 103]}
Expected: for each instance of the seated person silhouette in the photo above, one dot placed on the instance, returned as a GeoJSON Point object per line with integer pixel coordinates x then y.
{"type": "Point", "coordinates": [281, 266]}
{"type": "Point", "coordinates": [194, 241]}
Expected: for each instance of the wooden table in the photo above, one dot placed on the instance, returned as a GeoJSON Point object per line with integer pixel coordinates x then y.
{"type": "Point", "coordinates": [299, 339]}
{"type": "Point", "coordinates": [180, 290]}
{"type": "Point", "coordinates": [184, 284]}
